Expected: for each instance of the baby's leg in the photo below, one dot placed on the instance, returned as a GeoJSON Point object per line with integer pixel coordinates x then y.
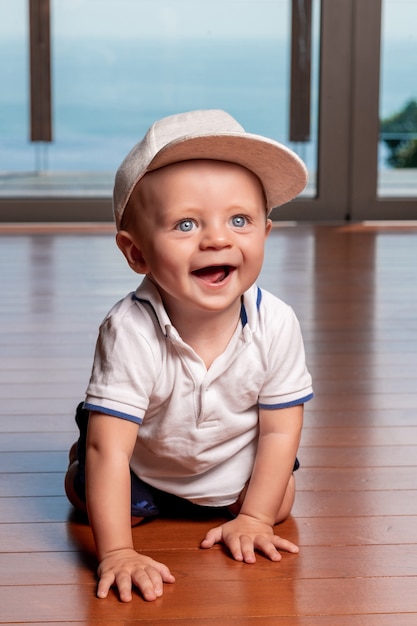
{"type": "Point", "coordinates": [72, 483]}
{"type": "Point", "coordinates": [77, 499]}
{"type": "Point", "coordinates": [286, 505]}
{"type": "Point", "coordinates": [287, 502]}
{"type": "Point", "coordinates": [143, 504]}
{"type": "Point", "coordinates": [75, 476]}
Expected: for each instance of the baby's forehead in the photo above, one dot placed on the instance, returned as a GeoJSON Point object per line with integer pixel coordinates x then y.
{"type": "Point", "coordinates": [190, 182]}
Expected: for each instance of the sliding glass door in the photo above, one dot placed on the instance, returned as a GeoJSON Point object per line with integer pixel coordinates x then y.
{"type": "Point", "coordinates": [367, 166]}
{"type": "Point", "coordinates": [117, 66]}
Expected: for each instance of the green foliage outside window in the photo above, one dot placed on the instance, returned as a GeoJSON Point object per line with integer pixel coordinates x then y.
{"type": "Point", "coordinates": [399, 132]}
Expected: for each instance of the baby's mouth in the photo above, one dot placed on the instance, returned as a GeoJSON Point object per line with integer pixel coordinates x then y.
{"type": "Point", "coordinates": [214, 273]}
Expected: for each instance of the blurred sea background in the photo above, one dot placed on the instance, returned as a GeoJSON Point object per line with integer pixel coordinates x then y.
{"type": "Point", "coordinates": [107, 92]}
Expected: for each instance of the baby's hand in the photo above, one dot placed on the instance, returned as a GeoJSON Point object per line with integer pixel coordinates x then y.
{"type": "Point", "coordinates": [244, 535]}
{"type": "Point", "coordinates": [126, 567]}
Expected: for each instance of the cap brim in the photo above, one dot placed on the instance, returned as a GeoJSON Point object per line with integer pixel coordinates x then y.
{"type": "Point", "coordinates": [281, 172]}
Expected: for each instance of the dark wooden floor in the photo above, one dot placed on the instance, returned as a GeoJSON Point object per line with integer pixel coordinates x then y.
{"type": "Point", "coordinates": [354, 289]}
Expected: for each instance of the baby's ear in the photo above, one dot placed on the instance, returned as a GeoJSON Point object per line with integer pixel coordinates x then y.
{"type": "Point", "coordinates": [132, 252]}
{"type": "Point", "coordinates": [268, 227]}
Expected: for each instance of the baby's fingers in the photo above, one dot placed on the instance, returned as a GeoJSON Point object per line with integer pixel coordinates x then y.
{"type": "Point", "coordinates": [148, 577]}
{"type": "Point", "coordinates": [150, 581]}
{"type": "Point", "coordinates": [242, 548]}
{"type": "Point", "coordinates": [213, 536]}
{"type": "Point", "coordinates": [122, 581]}
{"type": "Point", "coordinates": [268, 547]}
{"type": "Point", "coordinates": [104, 584]}
{"type": "Point", "coordinates": [284, 544]}
{"type": "Point", "coordinates": [124, 586]}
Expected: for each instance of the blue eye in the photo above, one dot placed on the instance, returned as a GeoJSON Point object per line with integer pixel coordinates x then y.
{"type": "Point", "coordinates": [186, 226]}
{"type": "Point", "coordinates": [239, 221]}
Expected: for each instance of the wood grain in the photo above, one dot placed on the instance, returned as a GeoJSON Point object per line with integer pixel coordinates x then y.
{"type": "Point", "coordinates": [355, 516]}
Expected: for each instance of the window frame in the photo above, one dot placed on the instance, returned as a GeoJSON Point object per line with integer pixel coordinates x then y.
{"type": "Point", "coordinates": [348, 134]}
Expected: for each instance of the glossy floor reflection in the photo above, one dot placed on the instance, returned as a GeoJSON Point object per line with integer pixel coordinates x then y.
{"type": "Point", "coordinates": [354, 290]}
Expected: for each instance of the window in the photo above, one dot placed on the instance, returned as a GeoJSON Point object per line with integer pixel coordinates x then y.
{"type": "Point", "coordinates": [118, 66]}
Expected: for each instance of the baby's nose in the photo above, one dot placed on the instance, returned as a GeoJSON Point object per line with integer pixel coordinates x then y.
{"type": "Point", "coordinates": [215, 237]}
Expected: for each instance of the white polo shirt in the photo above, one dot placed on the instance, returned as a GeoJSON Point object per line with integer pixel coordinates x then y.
{"type": "Point", "coordinates": [198, 428]}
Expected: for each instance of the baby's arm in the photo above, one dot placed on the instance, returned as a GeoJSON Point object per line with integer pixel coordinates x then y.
{"type": "Point", "coordinates": [110, 444]}
{"type": "Point", "coordinates": [270, 492]}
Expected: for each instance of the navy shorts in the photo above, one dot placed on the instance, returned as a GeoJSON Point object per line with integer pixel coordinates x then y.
{"type": "Point", "coordinates": [146, 501]}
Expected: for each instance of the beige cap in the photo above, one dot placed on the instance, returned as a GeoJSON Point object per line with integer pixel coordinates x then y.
{"type": "Point", "coordinates": [210, 134]}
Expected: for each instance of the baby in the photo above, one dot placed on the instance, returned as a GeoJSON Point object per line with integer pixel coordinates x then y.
{"type": "Point", "coordinates": [199, 378]}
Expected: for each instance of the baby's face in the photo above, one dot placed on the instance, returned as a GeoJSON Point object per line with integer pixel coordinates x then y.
{"type": "Point", "coordinates": [201, 230]}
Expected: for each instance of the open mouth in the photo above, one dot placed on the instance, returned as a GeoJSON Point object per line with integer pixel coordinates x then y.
{"type": "Point", "coordinates": [214, 273]}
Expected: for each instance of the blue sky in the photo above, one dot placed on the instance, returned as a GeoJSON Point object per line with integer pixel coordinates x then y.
{"type": "Point", "coordinates": [126, 18]}
{"type": "Point", "coordinates": [228, 18]}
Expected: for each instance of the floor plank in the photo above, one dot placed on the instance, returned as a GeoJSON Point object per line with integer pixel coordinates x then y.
{"type": "Point", "coordinates": [325, 562]}
{"type": "Point", "coordinates": [238, 598]}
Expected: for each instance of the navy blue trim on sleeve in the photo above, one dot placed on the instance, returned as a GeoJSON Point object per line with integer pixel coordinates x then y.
{"type": "Point", "coordinates": [286, 405]}
{"type": "Point", "coordinates": [112, 413]}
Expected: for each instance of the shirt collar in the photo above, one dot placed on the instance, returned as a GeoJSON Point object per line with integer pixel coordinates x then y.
{"type": "Point", "coordinates": [148, 292]}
